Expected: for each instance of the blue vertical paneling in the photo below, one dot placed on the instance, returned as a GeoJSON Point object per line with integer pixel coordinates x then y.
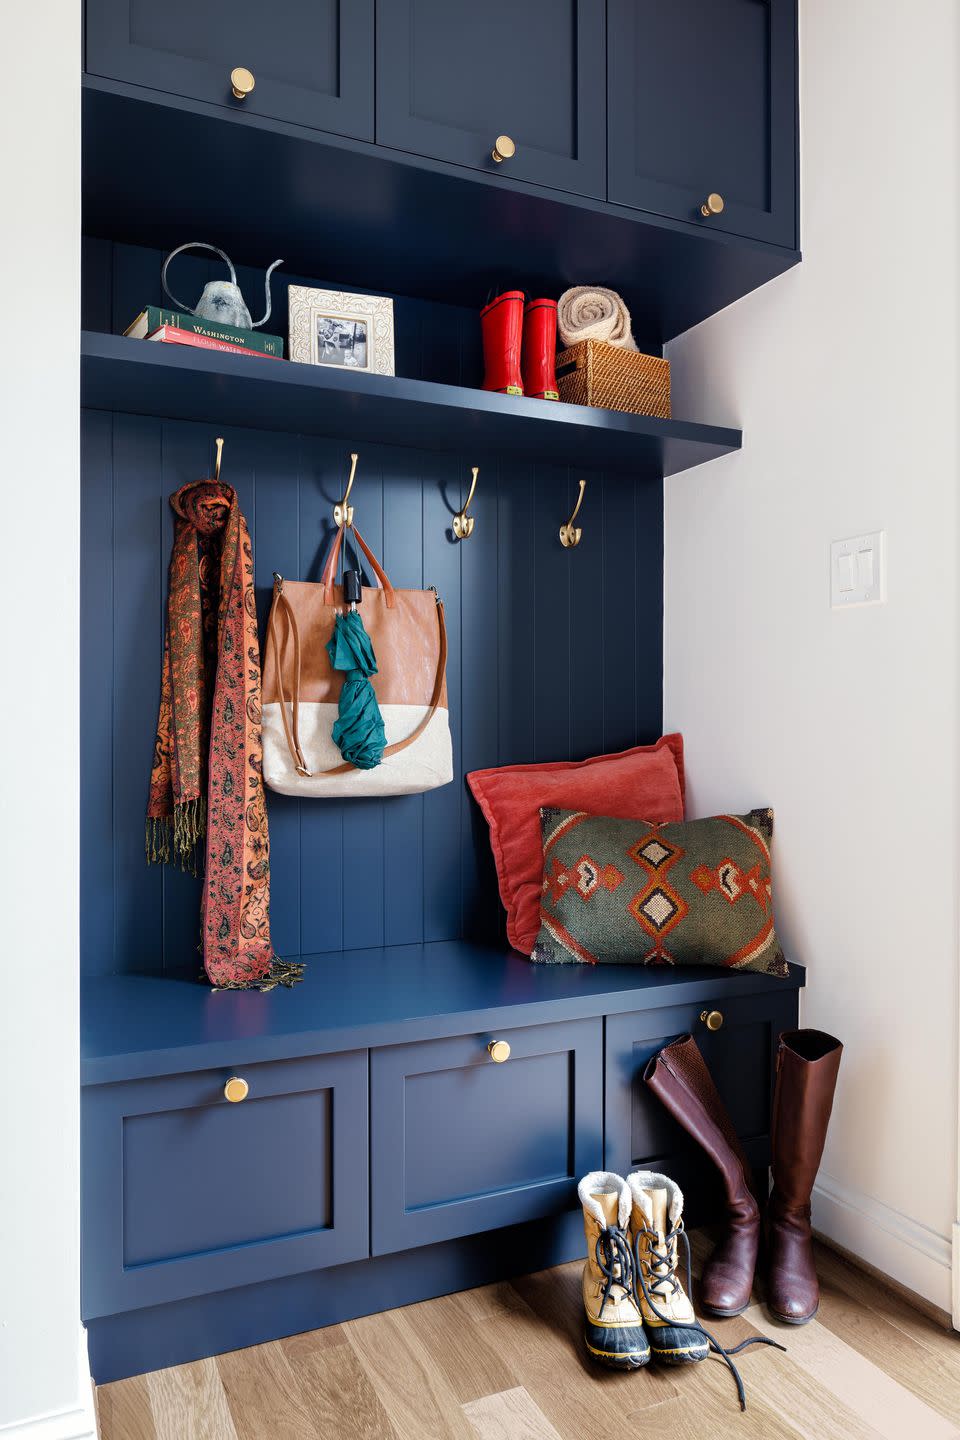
{"type": "Point", "coordinates": [480, 586]}
{"type": "Point", "coordinates": [648, 508]}
{"type": "Point", "coordinates": [137, 650]}
{"type": "Point", "coordinates": [621, 613]}
{"type": "Point", "coordinates": [96, 696]}
{"type": "Point", "coordinates": [553, 653]}
{"type": "Point", "coordinates": [443, 478]}
{"type": "Point", "coordinates": [551, 657]}
{"type": "Point", "coordinates": [516, 612]}
{"type": "Point", "coordinates": [402, 559]}
{"type": "Point", "coordinates": [589, 583]}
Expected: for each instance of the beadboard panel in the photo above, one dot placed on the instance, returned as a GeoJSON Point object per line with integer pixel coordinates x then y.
{"type": "Point", "coordinates": [553, 654]}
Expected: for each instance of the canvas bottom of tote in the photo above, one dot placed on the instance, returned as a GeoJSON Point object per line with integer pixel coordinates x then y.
{"type": "Point", "coordinates": [424, 765]}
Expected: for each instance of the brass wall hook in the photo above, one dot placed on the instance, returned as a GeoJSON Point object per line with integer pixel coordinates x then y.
{"type": "Point", "coordinates": [462, 522]}
{"type": "Point", "coordinates": [569, 533]}
{"type": "Point", "coordinates": [342, 511]}
{"type": "Point", "coordinates": [216, 468]}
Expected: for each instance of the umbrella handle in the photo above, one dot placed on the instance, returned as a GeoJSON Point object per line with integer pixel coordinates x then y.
{"type": "Point", "coordinates": [330, 569]}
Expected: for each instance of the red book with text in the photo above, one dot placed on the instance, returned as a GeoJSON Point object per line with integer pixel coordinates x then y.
{"type": "Point", "coordinates": [171, 335]}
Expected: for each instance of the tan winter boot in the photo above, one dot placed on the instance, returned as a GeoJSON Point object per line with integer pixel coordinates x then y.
{"type": "Point", "coordinates": [613, 1329]}
{"type": "Point", "coordinates": [656, 1227]}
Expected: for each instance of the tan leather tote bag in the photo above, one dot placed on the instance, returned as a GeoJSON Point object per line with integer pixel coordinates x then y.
{"type": "Point", "coordinates": [301, 689]}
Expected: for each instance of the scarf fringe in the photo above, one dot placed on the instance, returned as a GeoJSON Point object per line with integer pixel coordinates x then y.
{"type": "Point", "coordinates": [281, 972]}
{"type": "Point", "coordinates": [177, 839]}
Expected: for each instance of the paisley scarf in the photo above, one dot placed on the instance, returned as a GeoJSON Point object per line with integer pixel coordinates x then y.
{"type": "Point", "coordinates": [206, 789]}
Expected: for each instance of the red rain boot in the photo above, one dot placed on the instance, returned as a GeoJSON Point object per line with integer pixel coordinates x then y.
{"type": "Point", "coordinates": [538, 362]}
{"type": "Point", "coordinates": [502, 322]}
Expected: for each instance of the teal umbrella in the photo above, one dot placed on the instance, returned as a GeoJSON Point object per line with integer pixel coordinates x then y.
{"type": "Point", "coordinates": [359, 731]}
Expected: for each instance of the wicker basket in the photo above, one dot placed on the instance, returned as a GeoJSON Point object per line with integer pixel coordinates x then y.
{"type": "Point", "coordinates": [595, 373]}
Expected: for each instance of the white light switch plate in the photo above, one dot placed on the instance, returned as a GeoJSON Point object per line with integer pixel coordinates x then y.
{"type": "Point", "coordinates": [858, 571]}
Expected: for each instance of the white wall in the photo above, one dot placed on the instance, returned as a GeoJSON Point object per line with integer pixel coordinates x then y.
{"type": "Point", "coordinates": [844, 377]}
{"type": "Point", "coordinates": [43, 1390]}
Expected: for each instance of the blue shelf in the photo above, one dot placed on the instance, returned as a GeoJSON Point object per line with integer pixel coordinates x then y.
{"type": "Point", "coordinates": [133, 1026]}
{"type": "Point", "coordinates": [140, 378]}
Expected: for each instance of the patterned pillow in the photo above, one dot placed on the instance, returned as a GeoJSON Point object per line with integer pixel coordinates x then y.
{"type": "Point", "coordinates": [687, 893]}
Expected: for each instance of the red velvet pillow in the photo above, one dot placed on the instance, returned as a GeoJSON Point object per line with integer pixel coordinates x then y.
{"type": "Point", "coordinates": [647, 781]}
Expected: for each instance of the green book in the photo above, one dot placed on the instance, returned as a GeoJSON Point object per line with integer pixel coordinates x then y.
{"type": "Point", "coordinates": [153, 317]}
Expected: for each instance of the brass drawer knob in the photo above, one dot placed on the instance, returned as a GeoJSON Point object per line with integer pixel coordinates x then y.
{"type": "Point", "coordinates": [713, 205]}
{"type": "Point", "coordinates": [241, 82]}
{"type": "Point", "coordinates": [235, 1090]}
{"type": "Point", "coordinates": [504, 149]}
{"type": "Point", "coordinates": [713, 1019]}
{"type": "Point", "coordinates": [499, 1051]}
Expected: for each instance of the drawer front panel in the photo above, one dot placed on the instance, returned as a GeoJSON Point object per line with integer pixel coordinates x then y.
{"type": "Point", "coordinates": [312, 62]}
{"type": "Point", "coordinates": [461, 1144]}
{"type": "Point", "coordinates": [452, 76]}
{"type": "Point", "coordinates": [703, 98]}
{"type": "Point", "coordinates": [740, 1056]}
{"type": "Point", "coordinates": [186, 1193]}
{"type": "Point", "coordinates": [192, 1177]}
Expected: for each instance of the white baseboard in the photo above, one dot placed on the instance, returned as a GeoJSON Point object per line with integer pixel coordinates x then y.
{"type": "Point", "coordinates": [902, 1248]}
{"type": "Point", "coordinates": [74, 1422]}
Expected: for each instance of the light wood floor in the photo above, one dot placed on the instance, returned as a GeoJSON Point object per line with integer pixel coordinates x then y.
{"type": "Point", "coordinates": [506, 1363]}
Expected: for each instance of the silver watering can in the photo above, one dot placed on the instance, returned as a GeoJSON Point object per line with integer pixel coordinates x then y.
{"type": "Point", "coordinates": [221, 299]}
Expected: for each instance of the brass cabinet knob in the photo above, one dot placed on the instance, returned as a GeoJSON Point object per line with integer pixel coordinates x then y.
{"type": "Point", "coordinates": [504, 149]}
{"type": "Point", "coordinates": [499, 1051]}
{"type": "Point", "coordinates": [713, 1019]}
{"type": "Point", "coordinates": [241, 82]}
{"type": "Point", "coordinates": [713, 205]}
{"type": "Point", "coordinates": [235, 1090]}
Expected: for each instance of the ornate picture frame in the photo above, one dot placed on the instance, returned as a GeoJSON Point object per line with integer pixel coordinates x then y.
{"type": "Point", "coordinates": [341, 330]}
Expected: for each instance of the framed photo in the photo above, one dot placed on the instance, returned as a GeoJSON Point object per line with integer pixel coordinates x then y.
{"type": "Point", "coordinates": [349, 332]}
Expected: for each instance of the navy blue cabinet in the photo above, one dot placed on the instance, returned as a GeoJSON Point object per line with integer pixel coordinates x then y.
{"type": "Point", "coordinates": [453, 75]}
{"type": "Point", "coordinates": [190, 1193]}
{"type": "Point", "coordinates": [311, 60]}
{"type": "Point", "coordinates": [703, 100]}
{"type": "Point", "coordinates": [741, 1055]}
{"type": "Point", "coordinates": [462, 1144]}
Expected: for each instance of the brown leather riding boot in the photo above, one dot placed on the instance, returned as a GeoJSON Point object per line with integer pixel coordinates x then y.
{"type": "Point", "coordinates": [807, 1065]}
{"type": "Point", "coordinates": [680, 1079]}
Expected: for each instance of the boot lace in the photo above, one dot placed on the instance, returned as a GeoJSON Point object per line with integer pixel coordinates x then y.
{"type": "Point", "coordinates": [615, 1261]}
{"type": "Point", "coordinates": [662, 1266]}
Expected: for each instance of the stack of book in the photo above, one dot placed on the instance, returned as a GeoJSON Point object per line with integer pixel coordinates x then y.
{"type": "Point", "coordinates": [172, 327]}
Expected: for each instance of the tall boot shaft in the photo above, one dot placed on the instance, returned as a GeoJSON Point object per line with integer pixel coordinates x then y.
{"type": "Point", "coordinates": [807, 1065]}
{"type": "Point", "coordinates": [502, 325]}
{"type": "Point", "coordinates": [679, 1077]}
{"type": "Point", "coordinates": [538, 359]}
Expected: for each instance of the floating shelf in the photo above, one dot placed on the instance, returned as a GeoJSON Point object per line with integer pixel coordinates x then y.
{"type": "Point", "coordinates": [143, 378]}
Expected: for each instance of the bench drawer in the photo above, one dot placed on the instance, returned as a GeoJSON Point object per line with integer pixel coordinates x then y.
{"type": "Point", "coordinates": [740, 1055]}
{"type": "Point", "coordinates": [461, 1144]}
{"type": "Point", "coordinates": [186, 1193]}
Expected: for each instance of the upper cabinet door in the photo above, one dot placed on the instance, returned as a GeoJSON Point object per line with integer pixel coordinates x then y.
{"type": "Point", "coordinates": [453, 75]}
{"type": "Point", "coordinates": [703, 101]}
{"type": "Point", "coordinates": [311, 60]}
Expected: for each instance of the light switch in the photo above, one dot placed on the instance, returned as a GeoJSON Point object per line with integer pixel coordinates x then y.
{"type": "Point", "coordinates": [857, 571]}
{"type": "Point", "coordinates": [847, 573]}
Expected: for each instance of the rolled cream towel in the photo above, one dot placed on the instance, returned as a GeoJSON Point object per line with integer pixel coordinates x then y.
{"type": "Point", "coordinates": [588, 312]}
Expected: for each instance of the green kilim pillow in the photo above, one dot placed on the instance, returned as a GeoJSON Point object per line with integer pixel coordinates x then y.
{"type": "Point", "coordinates": [690, 893]}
